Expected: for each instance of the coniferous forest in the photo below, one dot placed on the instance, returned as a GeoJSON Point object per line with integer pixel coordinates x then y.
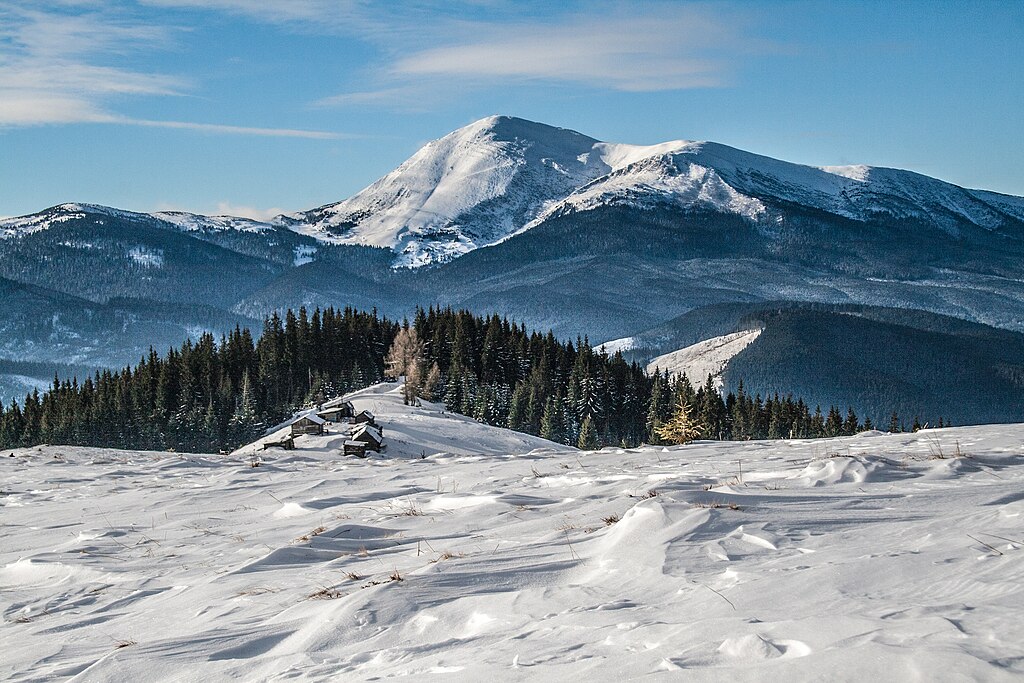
{"type": "Point", "coordinates": [210, 396]}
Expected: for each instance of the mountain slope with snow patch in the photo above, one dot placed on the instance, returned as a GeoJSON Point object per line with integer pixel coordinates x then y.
{"type": "Point", "coordinates": [706, 358]}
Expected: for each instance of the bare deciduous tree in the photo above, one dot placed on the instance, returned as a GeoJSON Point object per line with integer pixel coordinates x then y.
{"type": "Point", "coordinates": [405, 358]}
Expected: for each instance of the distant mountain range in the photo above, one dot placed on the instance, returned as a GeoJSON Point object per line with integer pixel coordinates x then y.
{"type": "Point", "coordinates": [546, 225]}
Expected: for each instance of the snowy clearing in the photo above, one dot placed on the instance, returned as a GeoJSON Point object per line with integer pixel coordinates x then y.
{"type": "Point", "coordinates": [875, 556]}
{"type": "Point", "coordinates": [708, 357]}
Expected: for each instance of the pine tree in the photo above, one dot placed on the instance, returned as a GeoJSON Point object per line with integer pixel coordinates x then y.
{"type": "Point", "coordinates": [851, 425]}
{"type": "Point", "coordinates": [552, 425]}
{"type": "Point", "coordinates": [833, 423]}
{"type": "Point", "coordinates": [588, 440]}
{"type": "Point", "coordinates": [656, 411]}
{"type": "Point", "coordinates": [682, 427]}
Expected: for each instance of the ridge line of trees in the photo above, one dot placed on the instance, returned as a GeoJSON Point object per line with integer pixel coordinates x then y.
{"type": "Point", "coordinates": [209, 396]}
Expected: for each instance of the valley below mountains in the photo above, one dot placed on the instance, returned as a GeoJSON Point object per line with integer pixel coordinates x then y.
{"type": "Point", "coordinates": [560, 231]}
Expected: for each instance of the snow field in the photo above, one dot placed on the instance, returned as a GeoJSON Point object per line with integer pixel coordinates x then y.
{"type": "Point", "coordinates": [886, 556]}
{"type": "Point", "coordinates": [708, 357]}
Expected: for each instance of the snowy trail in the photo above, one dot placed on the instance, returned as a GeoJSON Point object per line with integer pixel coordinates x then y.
{"type": "Point", "coordinates": [870, 556]}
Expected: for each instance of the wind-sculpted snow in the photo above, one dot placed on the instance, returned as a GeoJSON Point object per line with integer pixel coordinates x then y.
{"type": "Point", "coordinates": [887, 557]}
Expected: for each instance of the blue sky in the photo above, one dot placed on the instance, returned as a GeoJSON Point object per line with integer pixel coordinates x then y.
{"type": "Point", "coordinates": [255, 107]}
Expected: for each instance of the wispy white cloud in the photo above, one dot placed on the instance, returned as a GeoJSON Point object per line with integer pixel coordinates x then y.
{"type": "Point", "coordinates": [229, 209]}
{"type": "Point", "coordinates": [54, 70]}
{"type": "Point", "coordinates": [672, 49]}
{"type": "Point", "coordinates": [47, 70]}
{"type": "Point", "coordinates": [236, 130]}
{"type": "Point", "coordinates": [626, 47]}
{"type": "Point", "coordinates": [429, 47]}
{"type": "Point", "coordinates": [331, 13]}
{"type": "Point", "coordinates": [412, 96]}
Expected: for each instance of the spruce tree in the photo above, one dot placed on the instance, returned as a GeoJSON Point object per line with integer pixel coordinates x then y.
{"type": "Point", "coordinates": [681, 427]}
{"type": "Point", "coordinates": [552, 427]}
{"type": "Point", "coordinates": [588, 440]}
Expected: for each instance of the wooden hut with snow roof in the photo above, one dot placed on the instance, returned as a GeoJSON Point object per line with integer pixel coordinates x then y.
{"type": "Point", "coordinates": [369, 435]}
{"type": "Point", "coordinates": [307, 423]}
{"type": "Point", "coordinates": [356, 448]}
{"type": "Point", "coordinates": [364, 416]}
{"type": "Point", "coordinates": [336, 413]}
{"type": "Point", "coordinates": [339, 403]}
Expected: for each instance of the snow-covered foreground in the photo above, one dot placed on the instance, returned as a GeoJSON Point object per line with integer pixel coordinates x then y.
{"type": "Point", "coordinates": [879, 556]}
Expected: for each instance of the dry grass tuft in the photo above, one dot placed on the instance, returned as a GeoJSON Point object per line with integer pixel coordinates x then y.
{"type": "Point", "coordinates": [936, 451]}
{"type": "Point", "coordinates": [326, 593]}
{"type": "Point", "coordinates": [447, 555]}
{"type": "Point", "coordinates": [715, 505]}
{"type": "Point", "coordinates": [315, 532]}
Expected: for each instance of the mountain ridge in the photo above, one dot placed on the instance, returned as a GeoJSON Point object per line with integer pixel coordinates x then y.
{"type": "Point", "coordinates": [551, 228]}
{"type": "Point", "coordinates": [500, 176]}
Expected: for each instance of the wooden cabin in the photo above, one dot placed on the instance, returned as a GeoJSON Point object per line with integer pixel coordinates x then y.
{"type": "Point", "coordinates": [340, 405]}
{"type": "Point", "coordinates": [356, 448]}
{"type": "Point", "coordinates": [308, 423]}
{"type": "Point", "coordinates": [371, 436]}
{"type": "Point", "coordinates": [336, 413]}
{"type": "Point", "coordinates": [364, 416]}
{"type": "Point", "coordinates": [287, 443]}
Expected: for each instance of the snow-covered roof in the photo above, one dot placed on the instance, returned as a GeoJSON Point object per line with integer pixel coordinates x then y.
{"type": "Point", "coordinates": [309, 415]}
{"type": "Point", "coordinates": [331, 410]}
{"type": "Point", "coordinates": [368, 429]}
{"type": "Point", "coordinates": [334, 402]}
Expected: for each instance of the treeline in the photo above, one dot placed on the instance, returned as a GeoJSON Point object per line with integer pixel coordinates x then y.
{"type": "Point", "coordinates": [741, 416]}
{"type": "Point", "coordinates": [214, 396]}
{"type": "Point", "coordinates": [208, 396]}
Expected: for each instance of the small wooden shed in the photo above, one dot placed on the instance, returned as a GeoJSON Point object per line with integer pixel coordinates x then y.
{"type": "Point", "coordinates": [364, 416]}
{"type": "Point", "coordinates": [369, 435]}
{"type": "Point", "coordinates": [339, 404]}
{"type": "Point", "coordinates": [356, 448]}
{"type": "Point", "coordinates": [308, 423]}
{"type": "Point", "coordinates": [287, 443]}
{"type": "Point", "coordinates": [336, 413]}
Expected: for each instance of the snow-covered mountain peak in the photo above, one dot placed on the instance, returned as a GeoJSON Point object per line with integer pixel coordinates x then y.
{"type": "Point", "coordinates": [856, 172]}
{"type": "Point", "coordinates": [191, 222]}
{"type": "Point", "coordinates": [22, 226]}
{"type": "Point", "coordinates": [499, 176]}
{"type": "Point", "coordinates": [467, 189]}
